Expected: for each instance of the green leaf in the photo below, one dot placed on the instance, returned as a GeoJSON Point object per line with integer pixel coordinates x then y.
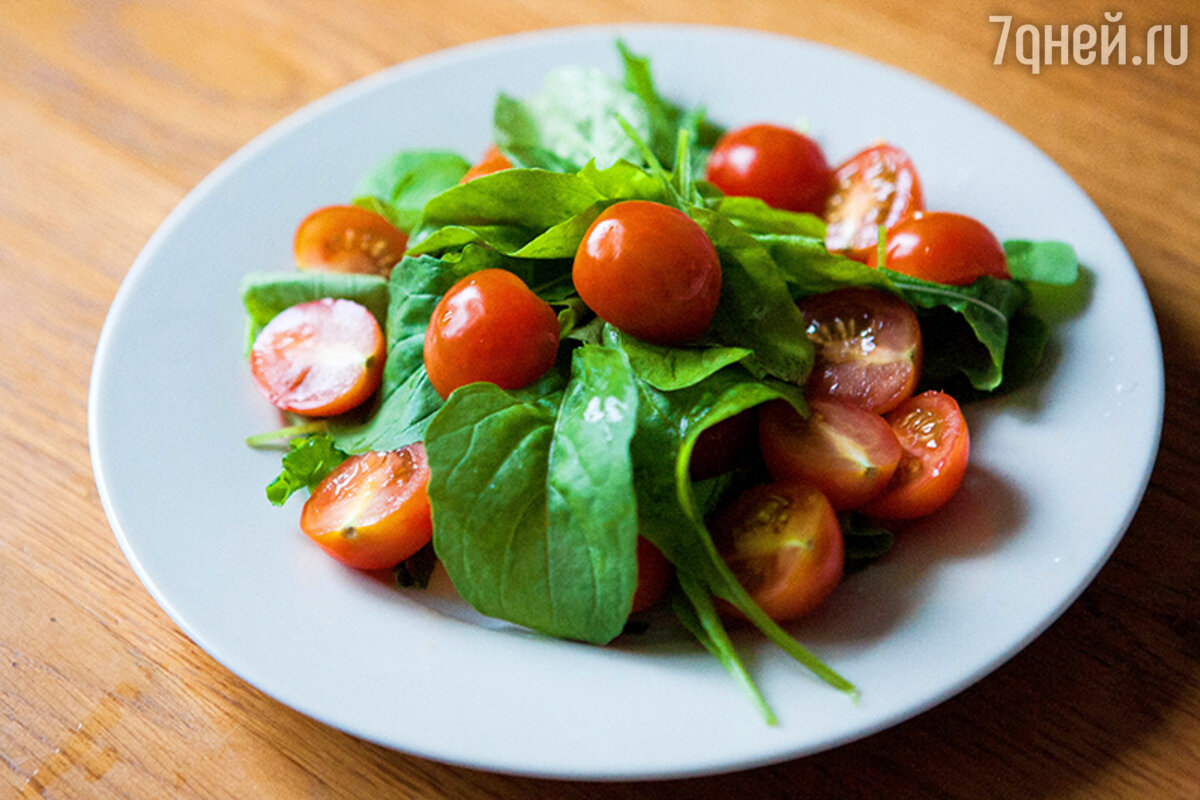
{"type": "Point", "coordinates": [1042, 262]}
{"type": "Point", "coordinates": [668, 368]}
{"type": "Point", "coordinates": [865, 539]}
{"type": "Point", "coordinates": [399, 186]}
{"type": "Point", "coordinates": [265, 294]}
{"type": "Point", "coordinates": [309, 459]}
{"type": "Point", "coordinates": [754, 216]}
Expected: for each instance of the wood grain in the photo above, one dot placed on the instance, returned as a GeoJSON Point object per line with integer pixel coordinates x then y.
{"type": "Point", "coordinates": [111, 111]}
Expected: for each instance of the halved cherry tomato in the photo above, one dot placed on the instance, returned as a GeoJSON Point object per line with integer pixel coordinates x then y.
{"type": "Point", "coordinates": [780, 166]}
{"type": "Point", "coordinates": [349, 239]}
{"type": "Point", "coordinates": [845, 451]}
{"type": "Point", "coordinates": [493, 161]}
{"type": "Point", "coordinates": [721, 447]}
{"type": "Point", "coordinates": [649, 270]}
{"type": "Point", "coordinates": [319, 358]}
{"type": "Point", "coordinates": [868, 347]}
{"type": "Point", "coordinates": [783, 543]}
{"type": "Point", "coordinates": [654, 573]}
{"type": "Point", "coordinates": [943, 247]}
{"type": "Point", "coordinates": [878, 186]}
{"type": "Point", "coordinates": [490, 327]}
{"type": "Point", "coordinates": [372, 511]}
{"type": "Point", "coordinates": [933, 434]}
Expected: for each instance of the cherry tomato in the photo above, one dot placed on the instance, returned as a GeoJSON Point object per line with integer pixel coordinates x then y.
{"type": "Point", "coordinates": [868, 347]}
{"type": "Point", "coordinates": [721, 447]}
{"type": "Point", "coordinates": [319, 358]}
{"type": "Point", "coordinates": [493, 161]}
{"type": "Point", "coordinates": [654, 573]}
{"type": "Point", "coordinates": [649, 270]}
{"type": "Point", "coordinates": [845, 451]}
{"type": "Point", "coordinates": [933, 434]}
{"type": "Point", "coordinates": [943, 247]}
{"type": "Point", "coordinates": [878, 186]}
{"type": "Point", "coordinates": [372, 511]}
{"type": "Point", "coordinates": [780, 166]}
{"type": "Point", "coordinates": [490, 327]}
{"type": "Point", "coordinates": [783, 543]}
{"type": "Point", "coordinates": [349, 239]}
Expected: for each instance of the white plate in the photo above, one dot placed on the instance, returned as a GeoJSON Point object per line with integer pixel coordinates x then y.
{"type": "Point", "coordinates": [171, 402]}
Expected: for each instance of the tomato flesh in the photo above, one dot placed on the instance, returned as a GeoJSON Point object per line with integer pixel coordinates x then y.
{"type": "Point", "coordinates": [845, 451]}
{"type": "Point", "coordinates": [868, 347]}
{"type": "Point", "coordinates": [780, 166]}
{"type": "Point", "coordinates": [372, 511]}
{"type": "Point", "coordinates": [944, 247]}
{"type": "Point", "coordinates": [878, 186]}
{"type": "Point", "coordinates": [319, 358]}
{"type": "Point", "coordinates": [650, 270]}
{"type": "Point", "coordinates": [493, 161]}
{"type": "Point", "coordinates": [783, 543]}
{"type": "Point", "coordinates": [933, 434]}
{"type": "Point", "coordinates": [348, 239]}
{"type": "Point", "coordinates": [654, 574]}
{"type": "Point", "coordinates": [490, 327]}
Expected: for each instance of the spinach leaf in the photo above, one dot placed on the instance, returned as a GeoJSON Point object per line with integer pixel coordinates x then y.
{"type": "Point", "coordinates": [548, 539]}
{"type": "Point", "coordinates": [308, 460]}
{"type": "Point", "coordinates": [668, 368]}
{"type": "Point", "coordinates": [265, 294]}
{"type": "Point", "coordinates": [808, 268]}
{"type": "Point", "coordinates": [1042, 262]}
{"type": "Point", "coordinates": [399, 186]}
{"type": "Point", "coordinates": [754, 216]}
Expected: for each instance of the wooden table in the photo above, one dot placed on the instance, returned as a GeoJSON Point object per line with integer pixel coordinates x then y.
{"type": "Point", "coordinates": [111, 111]}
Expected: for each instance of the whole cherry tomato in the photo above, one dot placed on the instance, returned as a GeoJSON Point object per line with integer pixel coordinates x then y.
{"type": "Point", "coordinates": [490, 327]}
{"type": "Point", "coordinates": [943, 247]}
{"type": "Point", "coordinates": [348, 239]}
{"type": "Point", "coordinates": [649, 270]}
{"type": "Point", "coordinates": [780, 166]}
{"type": "Point", "coordinates": [878, 186]}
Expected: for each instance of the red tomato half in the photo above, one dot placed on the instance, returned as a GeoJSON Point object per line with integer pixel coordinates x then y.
{"type": "Point", "coordinates": [944, 247]}
{"type": "Point", "coordinates": [349, 239]}
{"type": "Point", "coordinates": [654, 573]}
{"type": "Point", "coordinates": [933, 434]}
{"type": "Point", "coordinates": [722, 447]}
{"type": "Point", "coordinates": [783, 543]}
{"type": "Point", "coordinates": [493, 161]}
{"type": "Point", "coordinates": [650, 270]}
{"type": "Point", "coordinates": [319, 358]}
{"type": "Point", "coordinates": [490, 327]}
{"type": "Point", "coordinates": [868, 347]}
{"type": "Point", "coordinates": [372, 512]}
{"type": "Point", "coordinates": [780, 166]}
{"type": "Point", "coordinates": [845, 451]}
{"type": "Point", "coordinates": [878, 186]}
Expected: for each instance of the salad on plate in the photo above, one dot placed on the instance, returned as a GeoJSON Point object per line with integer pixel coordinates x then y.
{"type": "Point", "coordinates": [631, 358]}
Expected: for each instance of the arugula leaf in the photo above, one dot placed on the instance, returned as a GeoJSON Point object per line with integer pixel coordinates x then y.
{"type": "Point", "coordinates": [754, 216]}
{"type": "Point", "coordinates": [308, 460]}
{"type": "Point", "coordinates": [548, 540]}
{"type": "Point", "coordinates": [399, 186]}
{"type": "Point", "coordinates": [265, 294]}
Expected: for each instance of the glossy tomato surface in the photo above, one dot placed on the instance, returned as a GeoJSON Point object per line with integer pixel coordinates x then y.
{"type": "Point", "coordinates": [490, 327]}
{"type": "Point", "coordinates": [780, 166]}
{"type": "Point", "coordinates": [878, 186]}
{"type": "Point", "coordinates": [783, 542]}
{"type": "Point", "coordinates": [649, 270]}
{"type": "Point", "coordinates": [847, 452]}
{"type": "Point", "coordinates": [372, 511]}
{"type": "Point", "coordinates": [868, 347]}
{"type": "Point", "coordinates": [944, 247]}
{"type": "Point", "coordinates": [319, 358]}
{"type": "Point", "coordinates": [492, 161]}
{"type": "Point", "coordinates": [348, 239]}
{"type": "Point", "coordinates": [933, 434]}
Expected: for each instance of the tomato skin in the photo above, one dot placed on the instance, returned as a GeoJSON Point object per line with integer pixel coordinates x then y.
{"type": "Point", "coordinates": [878, 186]}
{"type": "Point", "coordinates": [490, 327]}
{"type": "Point", "coordinates": [943, 247]}
{"type": "Point", "coordinates": [868, 347]}
{"type": "Point", "coordinates": [654, 574]}
{"type": "Point", "coordinates": [721, 447]}
{"type": "Point", "coordinates": [319, 358]}
{"type": "Point", "coordinates": [845, 451]}
{"type": "Point", "coordinates": [372, 511]}
{"type": "Point", "coordinates": [780, 166]}
{"type": "Point", "coordinates": [933, 434]}
{"type": "Point", "coordinates": [492, 161]}
{"type": "Point", "coordinates": [650, 270]}
{"type": "Point", "coordinates": [348, 239]}
{"type": "Point", "coordinates": [783, 542]}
